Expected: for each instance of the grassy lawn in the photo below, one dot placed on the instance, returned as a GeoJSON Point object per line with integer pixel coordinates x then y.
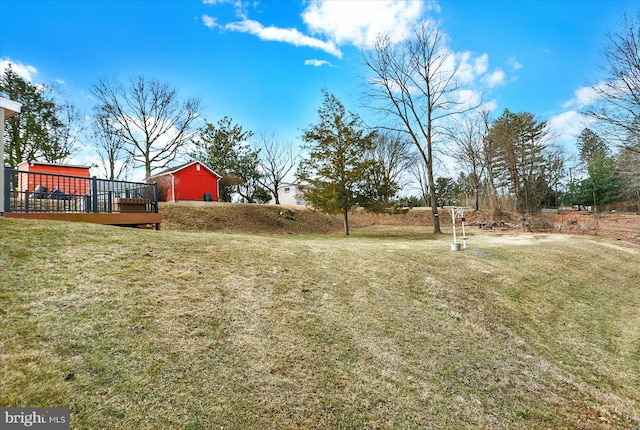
{"type": "Point", "coordinates": [384, 329]}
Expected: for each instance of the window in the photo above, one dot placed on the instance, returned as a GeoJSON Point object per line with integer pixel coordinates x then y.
{"type": "Point", "coordinates": [197, 167]}
{"type": "Point", "coordinates": [287, 189]}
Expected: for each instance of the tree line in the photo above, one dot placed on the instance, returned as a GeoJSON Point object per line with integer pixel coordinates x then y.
{"type": "Point", "coordinates": [507, 163]}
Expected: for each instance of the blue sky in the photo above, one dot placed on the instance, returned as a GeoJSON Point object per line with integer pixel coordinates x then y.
{"type": "Point", "coordinates": [265, 62]}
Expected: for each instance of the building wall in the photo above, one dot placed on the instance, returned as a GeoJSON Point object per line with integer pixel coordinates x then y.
{"type": "Point", "coordinates": [193, 182]}
{"type": "Point", "coordinates": [190, 183]}
{"type": "Point", "coordinates": [289, 194]}
{"type": "Point", "coordinates": [74, 182]}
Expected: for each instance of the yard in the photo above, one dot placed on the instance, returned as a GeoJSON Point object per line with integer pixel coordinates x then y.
{"type": "Point", "coordinates": [384, 329]}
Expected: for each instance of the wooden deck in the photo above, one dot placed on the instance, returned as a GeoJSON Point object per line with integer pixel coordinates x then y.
{"type": "Point", "coordinates": [53, 196]}
{"type": "Point", "coordinates": [124, 219]}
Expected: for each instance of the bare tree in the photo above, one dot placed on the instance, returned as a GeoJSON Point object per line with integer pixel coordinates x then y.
{"type": "Point", "coordinates": [414, 85]}
{"type": "Point", "coordinates": [468, 135]}
{"type": "Point", "coordinates": [115, 161]}
{"type": "Point", "coordinates": [618, 108]}
{"type": "Point", "coordinates": [148, 118]}
{"type": "Point", "coordinates": [391, 157]}
{"type": "Point", "coordinates": [628, 163]}
{"type": "Point", "coordinates": [277, 160]}
{"type": "Point", "coordinates": [419, 172]}
{"type": "Point", "coordinates": [64, 139]}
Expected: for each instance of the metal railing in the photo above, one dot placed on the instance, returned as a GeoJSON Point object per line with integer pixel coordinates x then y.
{"type": "Point", "coordinates": [47, 192]}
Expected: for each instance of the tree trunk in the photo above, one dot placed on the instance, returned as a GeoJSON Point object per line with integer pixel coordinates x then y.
{"type": "Point", "coordinates": [477, 197]}
{"type": "Point", "coordinates": [276, 185]}
{"type": "Point", "coordinates": [432, 192]}
{"type": "Point", "coordinates": [346, 221]}
{"type": "Point", "coordinates": [147, 166]}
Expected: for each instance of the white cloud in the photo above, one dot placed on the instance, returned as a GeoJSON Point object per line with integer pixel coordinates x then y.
{"type": "Point", "coordinates": [356, 22]}
{"type": "Point", "coordinates": [481, 64]}
{"type": "Point", "coordinates": [359, 22]}
{"type": "Point", "coordinates": [465, 71]}
{"type": "Point", "coordinates": [26, 72]}
{"type": "Point", "coordinates": [469, 67]}
{"type": "Point", "coordinates": [494, 79]}
{"type": "Point", "coordinates": [236, 3]}
{"type": "Point", "coordinates": [568, 125]}
{"type": "Point", "coordinates": [468, 99]}
{"type": "Point", "coordinates": [317, 63]}
{"type": "Point", "coordinates": [583, 97]}
{"type": "Point", "coordinates": [209, 21]}
{"type": "Point", "coordinates": [513, 62]}
{"type": "Point", "coordinates": [287, 35]}
{"type": "Point", "coordinates": [488, 106]}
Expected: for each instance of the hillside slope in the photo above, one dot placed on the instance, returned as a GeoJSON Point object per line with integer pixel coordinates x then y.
{"type": "Point", "coordinates": [263, 219]}
{"type": "Point", "coordinates": [293, 220]}
{"type": "Point", "coordinates": [386, 329]}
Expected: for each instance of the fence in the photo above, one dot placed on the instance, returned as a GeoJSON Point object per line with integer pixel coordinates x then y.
{"type": "Point", "coordinates": [48, 192]}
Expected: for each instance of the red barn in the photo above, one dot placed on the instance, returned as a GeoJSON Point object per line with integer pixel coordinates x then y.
{"type": "Point", "coordinates": [64, 177]}
{"type": "Point", "coordinates": [190, 181]}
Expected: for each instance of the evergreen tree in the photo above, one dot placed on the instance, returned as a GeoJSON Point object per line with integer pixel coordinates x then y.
{"type": "Point", "coordinates": [224, 149]}
{"type": "Point", "coordinates": [519, 159]}
{"type": "Point", "coordinates": [601, 185]}
{"type": "Point", "coordinates": [46, 131]}
{"type": "Point", "coordinates": [336, 165]}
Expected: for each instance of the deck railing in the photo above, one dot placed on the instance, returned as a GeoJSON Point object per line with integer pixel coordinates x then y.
{"type": "Point", "coordinates": [47, 192]}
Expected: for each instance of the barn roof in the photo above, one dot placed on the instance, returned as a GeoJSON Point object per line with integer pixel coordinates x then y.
{"type": "Point", "coordinates": [43, 163]}
{"type": "Point", "coordinates": [181, 167]}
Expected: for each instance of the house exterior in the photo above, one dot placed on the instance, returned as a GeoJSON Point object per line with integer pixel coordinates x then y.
{"type": "Point", "coordinates": [66, 178]}
{"type": "Point", "coordinates": [290, 194]}
{"type": "Point", "coordinates": [8, 109]}
{"type": "Point", "coordinates": [189, 181]}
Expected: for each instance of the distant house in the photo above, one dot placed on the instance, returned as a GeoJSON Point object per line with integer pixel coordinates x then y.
{"type": "Point", "coordinates": [189, 181]}
{"type": "Point", "coordinates": [48, 177]}
{"type": "Point", "coordinates": [290, 194]}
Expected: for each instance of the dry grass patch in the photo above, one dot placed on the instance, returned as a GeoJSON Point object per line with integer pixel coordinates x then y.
{"type": "Point", "coordinates": [386, 329]}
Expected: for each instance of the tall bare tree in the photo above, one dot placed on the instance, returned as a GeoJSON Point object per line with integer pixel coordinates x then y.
{"type": "Point", "coordinates": [618, 108]}
{"type": "Point", "coordinates": [414, 85]}
{"type": "Point", "coordinates": [468, 135]}
{"type": "Point", "coordinates": [277, 160]}
{"type": "Point", "coordinates": [115, 161]}
{"type": "Point", "coordinates": [148, 118]}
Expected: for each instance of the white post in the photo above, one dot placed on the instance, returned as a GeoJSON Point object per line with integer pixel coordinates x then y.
{"type": "Point", "coordinates": [455, 246]}
{"type": "Point", "coordinates": [453, 219]}
{"type": "Point", "coordinates": [464, 236]}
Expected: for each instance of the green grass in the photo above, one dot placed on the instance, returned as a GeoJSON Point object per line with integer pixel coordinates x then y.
{"type": "Point", "coordinates": [384, 329]}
